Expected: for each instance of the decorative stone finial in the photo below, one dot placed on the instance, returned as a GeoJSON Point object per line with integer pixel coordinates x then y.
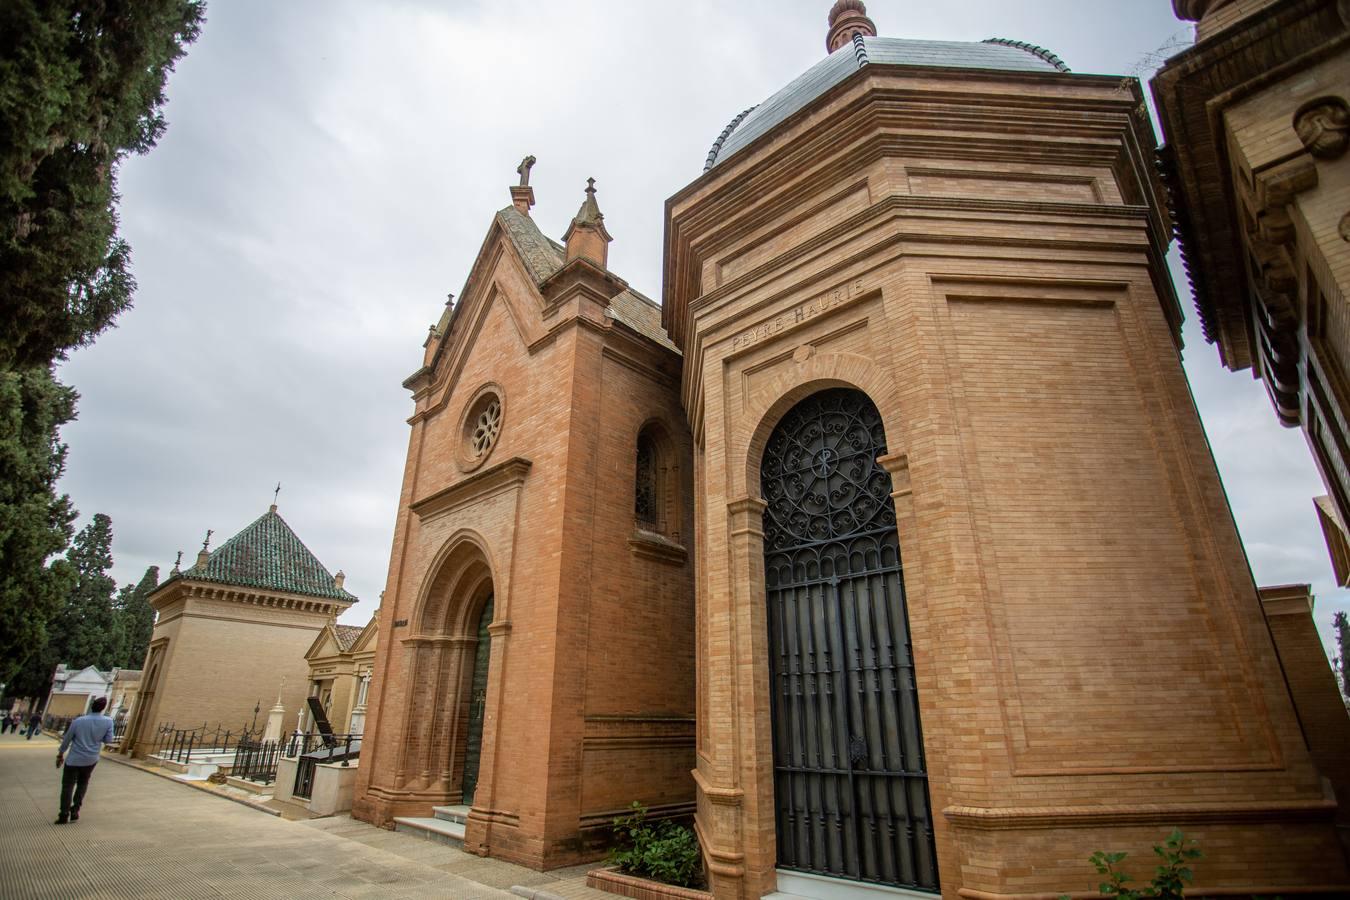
{"type": "Point", "coordinates": [586, 236]}
{"type": "Point", "coordinates": [204, 554]}
{"type": "Point", "coordinates": [176, 563]}
{"type": "Point", "coordinates": [339, 578]}
{"type": "Point", "coordinates": [847, 18]}
{"type": "Point", "coordinates": [522, 195]}
{"type": "Point", "coordinates": [1195, 10]}
{"type": "Point", "coordinates": [1323, 125]}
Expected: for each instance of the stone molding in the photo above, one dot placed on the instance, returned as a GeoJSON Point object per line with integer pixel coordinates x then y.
{"type": "Point", "coordinates": [486, 482]}
{"type": "Point", "coordinates": [1026, 817]}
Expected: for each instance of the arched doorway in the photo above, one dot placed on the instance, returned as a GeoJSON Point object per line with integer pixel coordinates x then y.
{"type": "Point", "coordinates": [138, 735]}
{"type": "Point", "coordinates": [473, 744]}
{"type": "Point", "coordinates": [850, 782]}
{"type": "Point", "coordinates": [448, 668]}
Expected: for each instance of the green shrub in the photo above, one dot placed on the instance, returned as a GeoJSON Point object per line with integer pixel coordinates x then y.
{"type": "Point", "coordinates": [665, 851]}
{"type": "Point", "coordinates": [1169, 879]}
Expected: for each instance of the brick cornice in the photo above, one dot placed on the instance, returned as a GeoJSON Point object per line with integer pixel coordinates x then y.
{"type": "Point", "coordinates": [891, 118]}
{"type": "Point", "coordinates": [1173, 814]}
{"type": "Point", "coordinates": [1192, 91]}
{"type": "Point", "coordinates": [490, 480]}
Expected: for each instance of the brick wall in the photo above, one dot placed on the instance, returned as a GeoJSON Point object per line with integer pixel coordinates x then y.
{"type": "Point", "coordinates": [1092, 662]}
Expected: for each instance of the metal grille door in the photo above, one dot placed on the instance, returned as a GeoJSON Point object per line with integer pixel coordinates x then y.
{"type": "Point", "coordinates": [849, 775]}
{"type": "Point", "coordinates": [473, 750]}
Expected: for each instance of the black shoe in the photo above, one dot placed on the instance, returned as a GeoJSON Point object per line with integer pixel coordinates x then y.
{"type": "Point", "coordinates": [74, 815]}
{"type": "Point", "coordinates": [61, 820]}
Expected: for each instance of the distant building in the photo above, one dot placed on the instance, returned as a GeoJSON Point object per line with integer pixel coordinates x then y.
{"type": "Point", "coordinates": [73, 690]}
{"type": "Point", "coordinates": [125, 685]}
{"type": "Point", "coordinates": [233, 629]}
{"type": "Point", "coordinates": [340, 662]}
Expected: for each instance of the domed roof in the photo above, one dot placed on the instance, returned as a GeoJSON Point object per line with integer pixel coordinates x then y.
{"type": "Point", "coordinates": [997, 54]}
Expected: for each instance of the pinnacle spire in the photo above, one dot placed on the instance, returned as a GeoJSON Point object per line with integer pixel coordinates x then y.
{"type": "Point", "coordinates": [848, 18]}
{"type": "Point", "coordinates": [587, 236]}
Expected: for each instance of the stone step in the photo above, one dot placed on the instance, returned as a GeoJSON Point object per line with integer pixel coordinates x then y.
{"type": "Point", "coordinates": [458, 814]}
{"type": "Point", "coordinates": [439, 830]}
{"type": "Point", "coordinates": [805, 886]}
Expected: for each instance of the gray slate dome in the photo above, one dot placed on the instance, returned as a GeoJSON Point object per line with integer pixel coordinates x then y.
{"type": "Point", "coordinates": [996, 53]}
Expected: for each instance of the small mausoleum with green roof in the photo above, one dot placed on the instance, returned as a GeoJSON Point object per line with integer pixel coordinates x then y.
{"type": "Point", "coordinates": [232, 631]}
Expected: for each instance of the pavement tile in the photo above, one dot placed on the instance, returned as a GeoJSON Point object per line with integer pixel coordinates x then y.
{"type": "Point", "coordinates": [146, 837]}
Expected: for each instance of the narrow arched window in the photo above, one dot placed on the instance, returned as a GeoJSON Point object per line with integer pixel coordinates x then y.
{"type": "Point", "coordinates": [646, 492]}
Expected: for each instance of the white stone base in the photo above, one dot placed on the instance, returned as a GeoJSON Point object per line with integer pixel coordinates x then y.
{"type": "Point", "coordinates": [801, 886]}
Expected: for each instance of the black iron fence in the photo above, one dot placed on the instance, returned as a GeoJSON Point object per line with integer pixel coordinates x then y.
{"type": "Point", "coordinates": [309, 749]}
{"type": "Point", "coordinates": [256, 761]}
{"type": "Point", "coordinates": [178, 744]}
{"type": "Point", "coordinates": [58, 724]}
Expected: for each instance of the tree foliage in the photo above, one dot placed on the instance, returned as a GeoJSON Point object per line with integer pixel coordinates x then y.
{"type": "Point", "coordinates": [136, 619]}
{"type": "Point", "coordinates": [85, 630]}
{"type": "Point", "coordinates": [81, 86]}
{"type": "Point", "coordinates": [35, 523]}
{"type": "Point", "coordinates": [1343, 649]}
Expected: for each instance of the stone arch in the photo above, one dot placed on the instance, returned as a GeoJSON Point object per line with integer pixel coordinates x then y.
{"type": "Point", "coordinates": [663, 478]}
{"type": "Point", "coordinates": [767, 405]}
{"type": "Point", "coordinates": [440, 655]}
{"type": "Point", "coordinates": [451, 595]}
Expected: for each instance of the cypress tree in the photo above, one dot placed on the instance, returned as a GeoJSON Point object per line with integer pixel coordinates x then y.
{"type": "Point", "coordinates": [137, 619]}
{"type": "Point", "coordinates": [81, 88]}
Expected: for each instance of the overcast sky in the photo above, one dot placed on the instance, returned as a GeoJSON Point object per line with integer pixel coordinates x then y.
{"type": "Point", "coordinates": [330, 170]}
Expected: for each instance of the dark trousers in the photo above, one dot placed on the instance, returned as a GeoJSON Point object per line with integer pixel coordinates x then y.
{"type": "Point", "coordinates": [74, 778]}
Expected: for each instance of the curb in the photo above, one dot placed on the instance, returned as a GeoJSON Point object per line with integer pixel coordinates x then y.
{"type": "Point", "coordinates": [149, 770]}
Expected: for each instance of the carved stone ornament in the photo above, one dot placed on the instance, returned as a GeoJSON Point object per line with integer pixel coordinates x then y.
{"type": "Point", "coordinates": [1323, 125]}
{"type": "Point", "coordinates": [1195, 10]}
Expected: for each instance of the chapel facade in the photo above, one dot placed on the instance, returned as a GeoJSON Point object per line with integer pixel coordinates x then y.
{"type": "Point", "coordinates": [231, 632]}
{"type": "Point", "coordinates": [535, 661]}
{"type": "Point", "coordinates": [925, 580]}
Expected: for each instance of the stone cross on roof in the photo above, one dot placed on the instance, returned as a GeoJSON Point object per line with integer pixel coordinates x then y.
{"type": "Point", "coordinates": [522, 195]}
{"type": "Point", "coordinates": [524, 169]}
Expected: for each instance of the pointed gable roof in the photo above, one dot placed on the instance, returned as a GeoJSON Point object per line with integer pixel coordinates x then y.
{"type": "Point", "coordinates": [543, 257]}
{"type": "Point", "coordinates": [268, 555]}
{"type": "Point", "coordinates": [346, 635]}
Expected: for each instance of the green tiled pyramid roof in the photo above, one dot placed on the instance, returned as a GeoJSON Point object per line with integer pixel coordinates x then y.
{"type": "Point", "coordinates": [269, 556]}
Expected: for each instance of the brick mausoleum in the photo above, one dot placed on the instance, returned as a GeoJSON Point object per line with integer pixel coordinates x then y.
{"type": "Point", "coordinates": [889, 545]}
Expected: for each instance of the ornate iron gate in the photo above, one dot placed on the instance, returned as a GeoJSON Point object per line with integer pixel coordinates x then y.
{"type": "Point", "coordinates": [477, 704]}
{"type": "Point", "coordinates": [850, 783]}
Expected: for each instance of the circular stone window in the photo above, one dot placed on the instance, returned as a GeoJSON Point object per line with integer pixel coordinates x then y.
{"type": "Point", "coordinates": [482, 426]}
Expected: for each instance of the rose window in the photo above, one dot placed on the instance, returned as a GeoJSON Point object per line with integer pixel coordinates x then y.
{"type": "Point", "coordinates": [486, 427]}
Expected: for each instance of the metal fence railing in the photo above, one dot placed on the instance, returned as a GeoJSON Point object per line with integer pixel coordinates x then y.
{"type": "Point", "coordinates": [57, 724]}
{"type": "Point", "coordinates": [309, 749]}
{"type": "Point", "coordinates": [179, 744]}
{"type": "Point", "coordinates": [256, 761]}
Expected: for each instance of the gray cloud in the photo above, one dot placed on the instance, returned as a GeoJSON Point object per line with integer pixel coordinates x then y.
{"type": "Point", "coordinates": [330, 171]}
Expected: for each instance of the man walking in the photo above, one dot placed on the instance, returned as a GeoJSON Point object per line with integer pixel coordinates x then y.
{"type": "Point", "coordinates": [84, 738]}
{"type": "Point", "coordinates": [34, 724]}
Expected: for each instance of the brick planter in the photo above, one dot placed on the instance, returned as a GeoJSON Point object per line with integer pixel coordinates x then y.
{"type": "Point", "coordinates": [615, 882]}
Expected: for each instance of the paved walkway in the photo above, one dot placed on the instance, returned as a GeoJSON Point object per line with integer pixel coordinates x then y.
{"type": "Point", "coordinates": [142, 836]}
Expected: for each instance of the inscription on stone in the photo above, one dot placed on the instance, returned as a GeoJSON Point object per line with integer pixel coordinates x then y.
{"type": "Point", "coordinates": [399, 623]}
{"type": "Point", "coordinates": [810, 309]}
